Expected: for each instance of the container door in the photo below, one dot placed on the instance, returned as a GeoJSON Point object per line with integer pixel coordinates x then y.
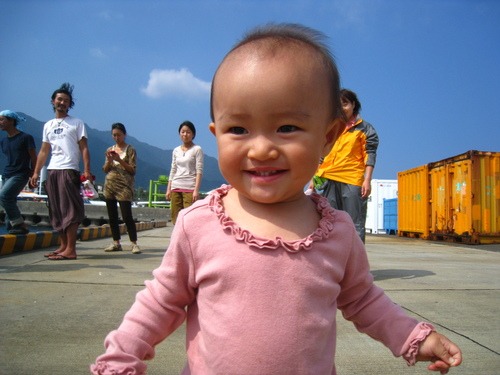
{"type": "Point", "coordinates": [413, 202]}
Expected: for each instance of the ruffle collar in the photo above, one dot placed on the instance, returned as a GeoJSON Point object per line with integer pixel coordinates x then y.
{"type": "Point", "coordinates": [324, 228]}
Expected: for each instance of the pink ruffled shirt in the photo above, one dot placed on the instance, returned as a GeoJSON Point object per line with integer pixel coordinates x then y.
{"type": "Point", "coordinates": [254, 305]}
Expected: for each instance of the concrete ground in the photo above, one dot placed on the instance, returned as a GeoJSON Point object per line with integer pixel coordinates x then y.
{"type": "Point", "coordinates": [54, 315]}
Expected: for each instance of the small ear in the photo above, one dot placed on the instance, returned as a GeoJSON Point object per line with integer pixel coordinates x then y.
{"type": "Point", "coordinates": [211, 127]}
{"type": "Point", "coordinates": [333, 132]}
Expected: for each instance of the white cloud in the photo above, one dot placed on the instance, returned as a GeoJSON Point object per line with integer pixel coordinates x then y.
{"type": "Point", "coordinates": [108, 15]}
{"type": "Point", "coordinates": [97, 53]}
{"type": "Point", "coordinates": [353, 12]}
{"type": "Point", "coordinates": [170, 82]}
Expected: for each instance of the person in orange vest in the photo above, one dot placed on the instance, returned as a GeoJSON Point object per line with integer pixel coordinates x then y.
{"type": "Point", "coordinates": [346, 172]}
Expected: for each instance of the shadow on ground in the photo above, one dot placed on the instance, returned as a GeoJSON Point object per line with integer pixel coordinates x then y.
{"type": "Point", "coordinates": [400, 274]}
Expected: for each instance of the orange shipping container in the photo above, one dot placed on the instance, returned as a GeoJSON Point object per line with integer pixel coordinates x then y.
{"type": "Point", "coordinates": [413, 202]}
{"type": "Point", "coordinates": [457, 198]}
{"type": "Point", "coordinates": [465, 197]}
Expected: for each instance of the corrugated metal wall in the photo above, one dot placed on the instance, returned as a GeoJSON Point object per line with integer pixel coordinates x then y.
{"type": "Point", "coordinates": [456, 198]}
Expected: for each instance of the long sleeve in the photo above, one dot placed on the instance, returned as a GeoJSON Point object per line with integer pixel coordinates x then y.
{"type": "Point", "coordinates": [173, 165]}
{"type": "Point", "coordinates": [131, 158]}
{"type": "Point", "coordinates": [371, 144]}
{"type": "Point", "coordinates": [257, 305]}
{"type": "Point", "coordinates": [186, 165]}
{"type": "Point", "coordinates": [158, 311]}
{"type": "Point", "coordinates": [368, 307]}
{"type": "Point", "coordinates": [355, 149]}
{"type": "Point", "coordinates": [199, 160]}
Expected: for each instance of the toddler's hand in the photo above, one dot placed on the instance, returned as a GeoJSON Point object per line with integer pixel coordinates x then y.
{"type": "Point", "coordinates": [441, 351]}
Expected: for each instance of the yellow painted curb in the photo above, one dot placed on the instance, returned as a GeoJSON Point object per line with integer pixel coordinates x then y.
{"type": "Point", "coordinates": [10, 243]}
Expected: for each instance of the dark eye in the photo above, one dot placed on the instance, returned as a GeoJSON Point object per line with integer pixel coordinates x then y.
{"type": "Point", "coordinates": [287, 128]}
{"type": "Point", "coordinates": [237, 130]}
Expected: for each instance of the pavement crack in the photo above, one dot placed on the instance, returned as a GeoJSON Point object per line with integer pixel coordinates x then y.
{"type": "Point", "coordinates": [73, 282]}
{"type": "Point", "coordinates": [450, 330]}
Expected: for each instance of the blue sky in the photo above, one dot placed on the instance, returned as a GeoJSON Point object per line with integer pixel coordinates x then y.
{"type": "Point", "coordinates": [426, 71]}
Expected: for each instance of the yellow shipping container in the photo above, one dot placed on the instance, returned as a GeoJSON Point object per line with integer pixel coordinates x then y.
{"type": "Point", "coordinates": [462, 201]}
{"type": "Point", "coordinates": [465, 197]}
{"type": "Point", "coordinates": [413, 202]}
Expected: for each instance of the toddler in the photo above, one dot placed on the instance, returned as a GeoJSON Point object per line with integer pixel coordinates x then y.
{"type": "Point", "coordinates": [261, 278]}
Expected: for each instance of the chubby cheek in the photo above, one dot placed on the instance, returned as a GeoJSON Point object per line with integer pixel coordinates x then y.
{"type": "Point", "coordinates": [230, 158]}
{"type": "Point", "coordinates": [229, 168]}
{"type": "Point", "coordinates": [308, 153]}
{"type": "Point", "coordinates": [228, 152]}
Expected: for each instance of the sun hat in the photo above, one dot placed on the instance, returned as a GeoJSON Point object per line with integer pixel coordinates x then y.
{"type": "Point", "coordinates": [12, 115]}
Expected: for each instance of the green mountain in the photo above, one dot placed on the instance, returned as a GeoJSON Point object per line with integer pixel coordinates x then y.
{"type": "Point", "coordinates": [151, 161]}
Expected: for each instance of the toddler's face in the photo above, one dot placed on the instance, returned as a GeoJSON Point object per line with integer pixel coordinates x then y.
{"type": "Point", "coordinates": [272, 122]}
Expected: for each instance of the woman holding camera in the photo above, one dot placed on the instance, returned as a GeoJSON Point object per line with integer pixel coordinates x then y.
{"type": "Point", "coordinates": [120, 167]}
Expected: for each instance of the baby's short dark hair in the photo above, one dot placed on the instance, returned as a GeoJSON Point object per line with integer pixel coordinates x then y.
{"type": "Point", "coordinates": [290, 33]}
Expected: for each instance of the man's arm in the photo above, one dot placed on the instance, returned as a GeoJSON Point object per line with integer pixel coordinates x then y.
{"type": "Point", "coordinates": [43, 154]}
{"type": "Point", "coordinates": [84, 149]}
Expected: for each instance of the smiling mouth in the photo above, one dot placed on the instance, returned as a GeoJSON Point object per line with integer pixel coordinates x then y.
{"type": "Point", "coordinates": [265, 173]}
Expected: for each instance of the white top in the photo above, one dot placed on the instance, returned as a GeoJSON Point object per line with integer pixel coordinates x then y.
{"type": "Point", "coordinates": [185, 166]}
{"type": "Point", "coordinates": [63, 137]}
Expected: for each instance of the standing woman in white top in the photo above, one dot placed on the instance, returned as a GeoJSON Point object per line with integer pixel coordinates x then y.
{"type": "Point", "coordinates": [186, 171]}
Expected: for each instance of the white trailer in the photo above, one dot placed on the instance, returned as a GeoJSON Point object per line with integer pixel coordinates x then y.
{"type": "Point", "coordinates": [381, 189]}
